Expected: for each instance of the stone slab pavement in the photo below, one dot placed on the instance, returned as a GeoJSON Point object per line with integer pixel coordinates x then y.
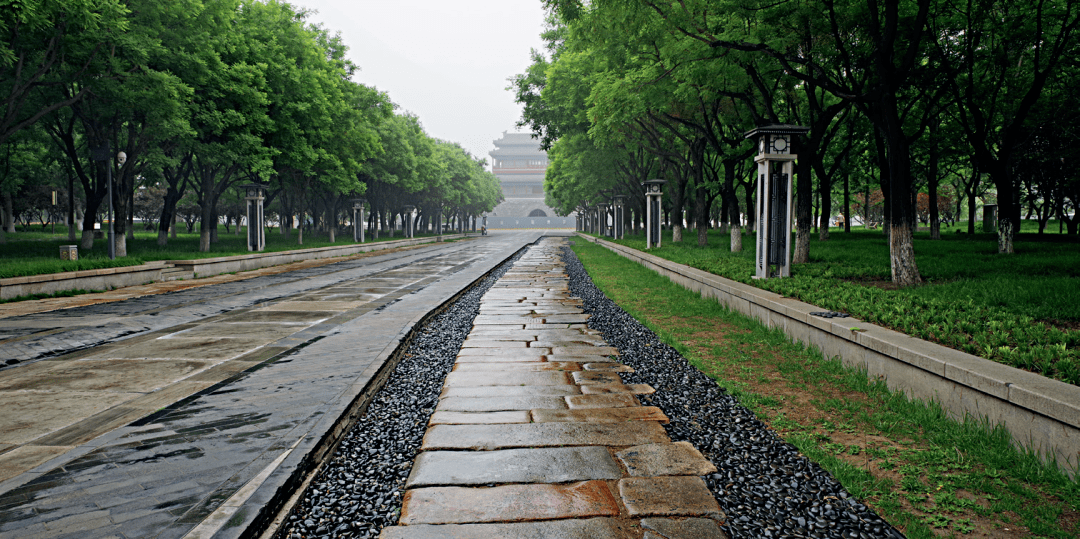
{"type": "Point", "coordinates": [192, 428]}
{"type": "Point", "coordinates": [536, 436]}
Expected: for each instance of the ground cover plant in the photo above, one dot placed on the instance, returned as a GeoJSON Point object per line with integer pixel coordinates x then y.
{"type": "Point", "coordinates": [36, 253]}
{"type": "Point", "coordinates": [1022, 310]}
{"type": "Point", "coordinates": [928, 475]}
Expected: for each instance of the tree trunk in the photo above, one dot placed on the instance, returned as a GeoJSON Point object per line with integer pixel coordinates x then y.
{"type": "Point", "coordinates": [701, 212]}
{"type": "Point", "coordinates": [932, 192]}
{"type": "Point", "coordinates": [825, 189]}
{"type": "Point", "coordinates": [804, 192]}
{"type": "Point", "coordinates": [902, 255]}
{"type": "Point", "coordinates": [9, 215]}
{"type": "Point", "coordinates": [121, 245]}
{"type": "Point", "coordinates": [71, 208]}
{"type": "Point", "coordinates": [206, 218]}
{"type": "Point", "coordinates": [847, 202]}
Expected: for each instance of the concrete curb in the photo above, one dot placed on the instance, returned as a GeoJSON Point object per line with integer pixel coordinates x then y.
{"type": "Point", "coordinates": [112, 278]}
{"type": "Point", "coordinates": [1041, 414]}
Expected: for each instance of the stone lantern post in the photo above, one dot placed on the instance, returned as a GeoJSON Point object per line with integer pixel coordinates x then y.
{"type": "Point", "coordinates": [776, 166]}
{"type": "Point", "coordinates": [602, 218]}
{"type": "Point", "coordinates": [620, 216]}
{"type": "Point", "coordinates": [256, 233]}
{"type": "Point", "coordinates": [990, 218]}
{"type": "Point", "coordinates": [652, 212]}
{"type": "Point", "coordinates": [358, 220]}
{"type": "Point", "coordinates": [409, 218]}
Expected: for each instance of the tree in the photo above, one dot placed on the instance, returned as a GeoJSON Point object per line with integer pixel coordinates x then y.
{"type": "Point", "coordinates": [49, 43]}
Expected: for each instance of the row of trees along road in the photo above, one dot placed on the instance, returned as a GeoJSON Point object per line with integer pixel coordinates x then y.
{"type": "Point", "coordinates": [898, 93]}
{"type": "Point", "coordinates": [202, 95]}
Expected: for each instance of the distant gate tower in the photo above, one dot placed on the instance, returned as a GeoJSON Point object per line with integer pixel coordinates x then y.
{"type": "Point", "coordinates": [519, 163]}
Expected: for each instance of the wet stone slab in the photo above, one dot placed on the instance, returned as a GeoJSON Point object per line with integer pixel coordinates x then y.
{"type": "Point", "coordinates": [506, 353]}
{"type": "Point", "coordinates": [507, 503]}
{"type": "Point", "coordinates": [508, 391]}
{"type": "Point", "coordinates": [507, 378]}
{"type": "Point", "coordinates": [592, 528]}
{"type": "Point", "coordinates": [668, 528]}
{"type": "Point", "coordinates": [479, 418]}
{"type": "Point", "coordinates": [494, 368]}
{"type": "Point", "coordinates": [668, 496]}
{"type": "Point", "coordinates": [600, 415]}
{"type": "Point", "coordinates": [618, 400]}
{"type": "Point", "coordinates": [542, 435]}
{"type": "Point", "coordinates": [495, 404]}
{"type": "Point", "coordinates": [679, 458]}
{"type": "Point", "coordinates": [607, 389]}
{"type": "Point", "coordinates": [596, 377]}
{"type": "Point", "coordinates": [549, 465]}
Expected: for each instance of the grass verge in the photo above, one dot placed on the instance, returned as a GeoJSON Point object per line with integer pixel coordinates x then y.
{"type": "Point", "coordinates": [36, 253]}
{"type": "Point", "coordinates": [1022, 310]}
{"type": "Point", "coordinates": [927, 474]}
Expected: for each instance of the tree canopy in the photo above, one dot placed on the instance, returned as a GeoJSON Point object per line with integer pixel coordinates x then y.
{"type": "Point", "coordinates": [901, 96]}
{"type": "Point", "coordinates": [202, 96]}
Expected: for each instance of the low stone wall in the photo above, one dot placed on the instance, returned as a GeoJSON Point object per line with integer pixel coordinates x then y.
{"type": "Point", "coordinates": [205, 267]}
{"type": "Point", "coordinates": [1042, 415]}
{"type": "Point", "coordinates": [111, 278]}
{"type": "Point", "coordinates": [98, 279]}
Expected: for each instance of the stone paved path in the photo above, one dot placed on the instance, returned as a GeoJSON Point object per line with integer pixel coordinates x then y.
{"type": "Point", "coordinates": [536, 436]}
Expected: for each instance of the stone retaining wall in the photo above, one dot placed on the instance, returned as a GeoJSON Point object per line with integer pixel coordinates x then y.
{"type": "Point", "coordinates": [98, 279]}
{"type": "Point", "coordinates": [1042, 415]}
{"type": "Point", "coordinates": [111, 278]}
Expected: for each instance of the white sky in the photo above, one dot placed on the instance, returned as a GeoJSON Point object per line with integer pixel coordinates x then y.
{"type": "Point", "coordinates": [446, 61]}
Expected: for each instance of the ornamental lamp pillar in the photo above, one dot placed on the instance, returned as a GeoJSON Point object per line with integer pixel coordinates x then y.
{"type": "Point", "coordinates": [602, 218]}
{"type": "Point", "coordinates": [776, 166]}
{"type": "Point", "coordinates": [358, 220]}
{"type": "Point", "coordinates": [409, 210]}
{"type": "Point", "coordinates": [620, 216]}
{"type": "Point", "coordinates": [254, 194]}
{"type": "Point", "coordinates": [652, 211]}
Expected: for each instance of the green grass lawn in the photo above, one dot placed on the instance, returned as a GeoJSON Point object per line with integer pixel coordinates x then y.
{"type": "Point", "coordinates": [1021, 309]}
{"type": "Point", "coordinates": [34, 252]}
{"type": "Point", "coordinates": [927, 474]}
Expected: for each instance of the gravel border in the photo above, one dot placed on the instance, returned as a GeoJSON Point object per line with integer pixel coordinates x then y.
{"type": "Point", "coordinates": [763, 484]}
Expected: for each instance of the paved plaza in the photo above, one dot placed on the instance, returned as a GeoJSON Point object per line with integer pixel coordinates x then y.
{"type": "Point", "coordinates": [184, 407]}
{"type": "Point", "coordinates": [197, 413]}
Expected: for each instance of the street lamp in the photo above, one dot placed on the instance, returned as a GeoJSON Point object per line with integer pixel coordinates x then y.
{"type": "Point", "coordinates": [358, 220]}
{"type": "Point", "coordinates": [652, 212]}
{"type": "Point", "coordinates": [409, 209]}
{"type": "Point", "coordinates": [256, 236]}
{"type": "Point", "coordinates": [620, 216]}
{"type": "Point", "coordinates": [102, 153]}
{"type": "Point", "coordinates": [776, 166]}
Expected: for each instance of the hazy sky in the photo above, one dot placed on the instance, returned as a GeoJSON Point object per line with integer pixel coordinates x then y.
{"type": "Point", "coordinates": [447, 61]}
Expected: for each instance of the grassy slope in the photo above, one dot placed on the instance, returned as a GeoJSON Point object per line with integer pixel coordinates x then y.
{"type": "Point", "coordinates": [34, 252]}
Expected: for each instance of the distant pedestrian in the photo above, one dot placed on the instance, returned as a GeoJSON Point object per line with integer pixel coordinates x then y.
{"type": "Point", "coordinates": [840, 221]}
